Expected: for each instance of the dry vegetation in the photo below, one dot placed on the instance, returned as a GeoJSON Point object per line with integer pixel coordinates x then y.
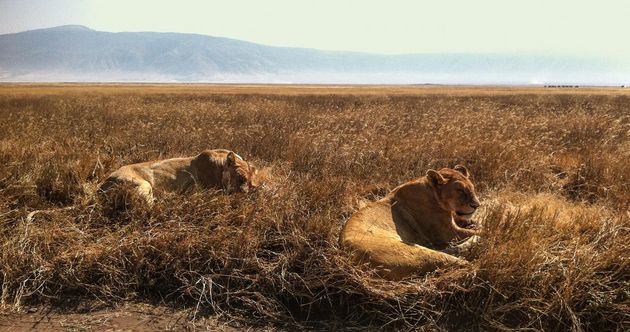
{"type": "Point", "coordinates": [551, 166]}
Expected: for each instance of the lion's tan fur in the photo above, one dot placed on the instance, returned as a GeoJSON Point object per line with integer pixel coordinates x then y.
{"type": "Point", "coordinates": [409, 231]}
{"type": "Point", "coordinates": [217, 168]}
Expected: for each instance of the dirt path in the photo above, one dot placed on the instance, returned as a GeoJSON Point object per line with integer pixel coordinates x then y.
{"type": "Point", "coordinates": [125, 318]}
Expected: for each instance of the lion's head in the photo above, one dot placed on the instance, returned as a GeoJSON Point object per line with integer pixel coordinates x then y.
{"type": "Point", "coordinates": [238, 174]}
{"type": "Point", "coordinates": [454, 191]}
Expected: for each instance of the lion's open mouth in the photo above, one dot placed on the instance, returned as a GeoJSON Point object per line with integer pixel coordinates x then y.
{"type": "Point", "coordinates": [462, 214]}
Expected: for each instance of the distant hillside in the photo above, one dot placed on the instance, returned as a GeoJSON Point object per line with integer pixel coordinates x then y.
{"type": "Point", "coordinates": [77, 53]}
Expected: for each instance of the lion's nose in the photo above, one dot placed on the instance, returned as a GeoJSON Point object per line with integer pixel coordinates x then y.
{"type": "Point", "coordinates": [474, 204]}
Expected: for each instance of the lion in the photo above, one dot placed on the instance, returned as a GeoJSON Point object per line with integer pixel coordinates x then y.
{"type": "Point", "coordinates": [413, 229]}
{"type": "Point", "coordinates": [219, 168]}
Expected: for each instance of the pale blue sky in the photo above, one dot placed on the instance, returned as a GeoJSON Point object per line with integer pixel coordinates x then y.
{"type": "Point", "coordinates": [600, 28]}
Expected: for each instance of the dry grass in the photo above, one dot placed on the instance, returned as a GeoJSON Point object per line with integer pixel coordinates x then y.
{"type": "Point", "coordinates": [552, 167]}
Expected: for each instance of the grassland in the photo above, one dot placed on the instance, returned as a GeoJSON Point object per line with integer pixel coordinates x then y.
{"type": "Point", "coordinates": [551, 167]}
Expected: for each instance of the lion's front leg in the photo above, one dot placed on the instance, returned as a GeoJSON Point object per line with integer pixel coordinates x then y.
{"type": "Point", "coordinates": [145, 190]}
{"type": "Point", "coordinates": [463, 247]}
{"type": "Point", "coordinates": [460, 234]}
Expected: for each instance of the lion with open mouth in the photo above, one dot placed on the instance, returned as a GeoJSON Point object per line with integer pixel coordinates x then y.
{"type": "Point", "coordinates": [412, 230]}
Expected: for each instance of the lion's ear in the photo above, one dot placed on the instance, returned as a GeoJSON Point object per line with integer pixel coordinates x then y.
{"type": "Point", "coordinates": [435, 177]}
{"type": "Point", "coordinates": [462, 169]}
{"type": "Point", "coordinates": [231, 159]}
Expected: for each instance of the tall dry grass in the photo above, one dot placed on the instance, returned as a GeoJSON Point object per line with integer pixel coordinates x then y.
{"type": "Point", "coordinates": [552, 169]}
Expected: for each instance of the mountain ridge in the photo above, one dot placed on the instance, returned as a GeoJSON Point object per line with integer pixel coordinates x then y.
{"type": "Point", "coordinates": [79, 53]}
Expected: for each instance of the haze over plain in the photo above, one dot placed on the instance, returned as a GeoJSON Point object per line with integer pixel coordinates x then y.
{"type": "Point", "coordinates": [487, 42]}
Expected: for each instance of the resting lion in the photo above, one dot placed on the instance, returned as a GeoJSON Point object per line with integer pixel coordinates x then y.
{"type": "Point", "coordinates": [221, 169]}
{"type": "Point", "coordinates": [412, 229]}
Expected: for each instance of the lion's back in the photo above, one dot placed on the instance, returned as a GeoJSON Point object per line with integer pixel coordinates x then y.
{"type": "Point", "coordinates": [373, 237]}
{"type": "Point", "coordinates": [372, 221]}
{"type": "Point", "coordinates": [131, 173]}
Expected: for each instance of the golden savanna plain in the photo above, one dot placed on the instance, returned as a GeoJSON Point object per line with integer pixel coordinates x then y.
{"type": "Point", "coordinates": [551, 167]}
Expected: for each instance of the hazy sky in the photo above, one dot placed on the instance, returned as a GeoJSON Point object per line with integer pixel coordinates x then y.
{"type": "Point", "coordinates": [597, 27]}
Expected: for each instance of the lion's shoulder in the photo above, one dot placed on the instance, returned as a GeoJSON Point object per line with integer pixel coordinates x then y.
{"type": "Point", "coordinates": [415, 194]}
